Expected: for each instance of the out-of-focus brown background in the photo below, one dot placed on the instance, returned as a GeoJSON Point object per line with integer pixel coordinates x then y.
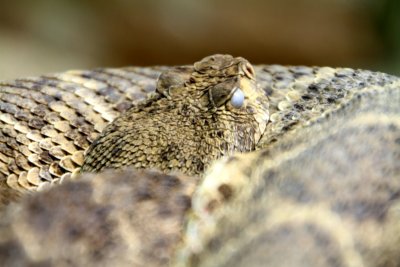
{"type": "Point", "coordinates": [47, 36]}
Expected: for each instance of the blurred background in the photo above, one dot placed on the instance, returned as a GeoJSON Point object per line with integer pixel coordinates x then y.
{"type": "Point", "coordinates": [44, 36]}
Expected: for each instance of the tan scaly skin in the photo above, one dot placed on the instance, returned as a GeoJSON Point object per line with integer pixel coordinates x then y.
{"type": "Point", "coordinates": [190, 122]}
{"type": "Point", "coordinates": [322, 189]}
{"type": "Point", "coordinates": [48, 122]}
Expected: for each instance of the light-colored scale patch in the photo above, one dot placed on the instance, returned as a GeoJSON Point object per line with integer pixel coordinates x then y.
{"type": "Point", "coordinates": [88, 92]}
{"type": "Point", "coordinates": [291, 93]}
{"type": "Point", "coordinates": [309, 92]}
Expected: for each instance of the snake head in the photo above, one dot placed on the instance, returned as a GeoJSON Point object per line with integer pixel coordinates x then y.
{"type": "Point", "coordinates": [197, 115]}
{"type": "Point", "coordinates": [229, 86]}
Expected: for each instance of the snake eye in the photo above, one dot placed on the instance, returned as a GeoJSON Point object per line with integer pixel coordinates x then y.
{"type": "Point", "coordinates": [237, 98]}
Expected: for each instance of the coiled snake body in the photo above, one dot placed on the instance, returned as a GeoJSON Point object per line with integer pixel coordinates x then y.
{"type": "Point", "coordinates": [321, 189]}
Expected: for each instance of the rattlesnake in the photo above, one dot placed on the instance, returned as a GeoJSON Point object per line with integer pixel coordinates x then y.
{"type": "Point", "coordinates": [321, 190]}
{"type": "Point", "coordinates": [198, 115]}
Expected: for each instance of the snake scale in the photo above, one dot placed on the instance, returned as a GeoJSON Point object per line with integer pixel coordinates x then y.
{"type": "Point", "coordinates": [309, 174]}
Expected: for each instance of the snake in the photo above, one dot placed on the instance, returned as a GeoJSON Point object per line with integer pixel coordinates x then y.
{"type": "Point", "coordinates": [222, 164]}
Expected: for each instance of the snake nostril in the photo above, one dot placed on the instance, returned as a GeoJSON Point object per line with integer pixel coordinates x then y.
{"type": "Point", "coordinates": [250, 70]}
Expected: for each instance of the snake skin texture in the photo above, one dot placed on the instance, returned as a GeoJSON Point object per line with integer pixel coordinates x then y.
{"type": "Point", "coordinates": [47, 122]}
{"type": "Point", "coordinates": [321, 188]}
{"type": "Point", "coordinates": [196, 116]}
